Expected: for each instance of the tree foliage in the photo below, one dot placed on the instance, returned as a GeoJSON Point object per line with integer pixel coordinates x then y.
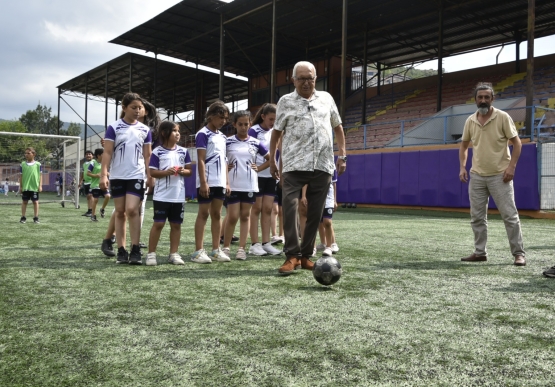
{"type": "Point", "coordinates": [12, 148]}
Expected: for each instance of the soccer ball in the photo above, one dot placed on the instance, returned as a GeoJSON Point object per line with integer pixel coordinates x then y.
{"type": "Point", "coordinates": [327, 270]}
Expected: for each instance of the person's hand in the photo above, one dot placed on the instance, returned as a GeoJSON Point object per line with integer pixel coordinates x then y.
{"type": "Point", "coordinates": [509, 174]}
{"type": "Point", "coordinates": [274, 171]}
{"type": "Point", "coordinates": [227, 190]}
{"type": "Point", "coordinates": [103, 183]}
{"type": "Point", "coordinates": [304, 202]}
{"type": "Point", "coordinates": [204, 190]}
{"type": "Point", "coordinates": [102, 142]}
{"type": "Point", "coordinates": [40, 189]}
{"type": "Point", "coordinates": [334, 206]}
{"type": "Point", "coordinates": [254, 167]}
{"type": "Point", "coordinates": [463, 175]}
{"type": "Point", "coordinates": [340, 166]}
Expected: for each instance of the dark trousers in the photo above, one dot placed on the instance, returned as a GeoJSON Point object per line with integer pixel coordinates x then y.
{"type": "Point", "coordinates": [317, 190]}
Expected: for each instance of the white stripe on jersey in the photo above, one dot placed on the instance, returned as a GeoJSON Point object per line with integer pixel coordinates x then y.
{"type": "Point", "coordinates": [241, 154]}
{"type": "Point", "coordinates": [264, 137]}
{"type": "Point", "coordinates": [215, 162]}
{"type": "Point", "coordinates": [127, 160]}
{"type": "Point", "coordinates": [169, 189]}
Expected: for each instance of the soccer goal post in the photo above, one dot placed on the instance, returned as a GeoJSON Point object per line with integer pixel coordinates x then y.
{"type": "Point", "coordinates": [60, 156]}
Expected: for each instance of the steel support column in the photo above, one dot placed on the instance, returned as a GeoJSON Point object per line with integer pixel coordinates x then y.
{"type": "Point", "coordinates": [273, 64]}
{"type": "Point", "coordinates": [440, 58]}
{"type": "Point", "coordinates": [58, 117]}
{"type": "Point", "coordinates": [131, 74]}
{"type": "Point", "coordinates": [518, 40]}
{"type": "Point", "coordinates": [343, 59]}
{"type": "Point", "coordinates": [155, 76]}
{"type": "Point", "coordinates": [222, 51]}
{"type": "Point", "coordinates": [364, 75]}
{"type": "Point", "coordinates": [87, 110]}
{"type": "Point", "coordinates": [105, 102]}
{"type": "Point", "coordinates": [379, 68]}
{"type": "Point", "coordinates": [530, 66]}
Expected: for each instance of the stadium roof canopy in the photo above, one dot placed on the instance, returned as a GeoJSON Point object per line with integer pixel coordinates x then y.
{"type": "Point", "coordinates": [399, 31]}
{"type": "Point", "coordinates": [176, 85]}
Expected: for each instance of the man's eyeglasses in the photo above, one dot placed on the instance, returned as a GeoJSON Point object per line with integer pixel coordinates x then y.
{"type": "Point", "coordinates": [303, 80]}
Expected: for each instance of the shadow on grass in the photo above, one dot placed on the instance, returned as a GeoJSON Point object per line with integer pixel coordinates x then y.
{"type": "Point", "coordinates": [535, 284]}
{"type": "Point", "coordinates": [427, 265]}
{"type": "Point", "coordinates": [540, 247]}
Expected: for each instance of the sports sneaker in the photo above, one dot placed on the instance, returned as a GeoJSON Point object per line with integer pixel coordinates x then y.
{"type": "Point", "coordinates": [102, 212]}
{"type": "Point", "coordinates": [93, 218]}
{"type": "Point", "coordinates": [257, 249]}
{"type": "Point", "coordinates": [36, 220]}
{"type": "Point", "coordinates": [334, 248]}
{"type": "Point", "coordinates": [151, 259]}
{"type": "Point", "coordinates": [200, 256]}
{"type": "Point", "coordinates": [313, 252]}
{"type": "Point", "coordinates": [113, 239]}
{"type": "Point", "coordinates": [276, 239]}
{"type": "Point", "coordinates": [320, 247]}
{"type": "Point", "coordinates": [327, 252]}
{"type": "Point", "coordinates": [241, 255]}
{"type": "Point", "coordinates": [550, 272]}
{"type": "Point", "coordinates": [226, 251]}
{"type": "Point", "coordinates": [107, 248]}
{"type": "Point", "coordinates": [23, 220]}
{"type": "Point", "coordinates": [219, 256]}
{"type": "Point", "coordinates": [271, 249]}
{"type": "Point", "coordinates": [88, 213]}
{"type": "Point", "coordinates": [175, 259]}
{"type": "Point", "coordinates": [234, 239]}
{"type": "Point", "coordinates": [135, 257]}
{"type": "Point", "coordinates": [142, 245]}
{"type": "Point", "coordinates": [123, 256]}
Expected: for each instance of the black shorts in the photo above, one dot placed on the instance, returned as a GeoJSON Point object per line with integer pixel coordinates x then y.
{"type": "Point", "coordinates": [87, 189]}
{"type": "Point", "coordinates": [121, 187]}
{"type": "Point", "coordinates": [266, 186]}
{"type": "Point", "coordinates": [241, 197]}
{"type": "Point", "coordinates": [32, 195]}
{"type": "Point", "coordinates": [279, 195]}
{"type": "Point", "coordinates": [173, 212]}
{"type": "Point", "coordinates": [215, 193]}
{"type": "Point", "coordinates": [327, 214]}
{"type": "Point", "coordinates": [98, 193]}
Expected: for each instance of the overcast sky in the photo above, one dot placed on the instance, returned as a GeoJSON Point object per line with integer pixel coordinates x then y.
{"type": "Point", "coordinates": [45, 43]}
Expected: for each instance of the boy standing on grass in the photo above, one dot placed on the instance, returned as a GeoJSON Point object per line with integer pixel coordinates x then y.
{"type": "Point", "coordinates": [94, 173]}
{"type": "Point", "coordinates": [6, 187]}
{"type": "Point", "coordinates": [30, 183]}
{"type": "Point", "coordinates": [86, 182]}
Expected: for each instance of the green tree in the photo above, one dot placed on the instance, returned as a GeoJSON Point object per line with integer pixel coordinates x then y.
{"type": "Point", "coordinates": [12, 148]}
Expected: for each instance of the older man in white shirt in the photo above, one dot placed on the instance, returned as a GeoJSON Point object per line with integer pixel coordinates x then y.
{"type": "Point", "coordinates": [306, 120]}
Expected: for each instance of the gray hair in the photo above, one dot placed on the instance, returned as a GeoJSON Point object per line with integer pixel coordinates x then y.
{"type": "Point", "coordinates": [303, 64]}
{"type": "Point", "coordinates": [484, 86]}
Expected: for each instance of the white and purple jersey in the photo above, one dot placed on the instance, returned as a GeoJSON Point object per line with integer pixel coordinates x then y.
{"type": "Point", "coordinates": [214, 162]}
{"type": "Point", "coordinates": [264, 137]}
{"type": "Point", "coordinates": [241, 154]}
{"type": "Point", "coordinates": [330, 199]}
{"type": "Point", "coordinates": [169, 189]}
{"type": "Point", "coordinates": [127, 159]}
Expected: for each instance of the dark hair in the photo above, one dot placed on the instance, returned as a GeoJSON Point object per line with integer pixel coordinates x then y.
{"type": "Point", "coordinates": [483, 86]}
{"type": "Point", "coordinates": [267, 108]}
{"type": "Point", "coordinates": [98, 152]}
{"type": "Point", "coordinates": [32, 150]}
{"type": "Point", "coordinates": [151, 119]}
{"type": "Point", "coordinates": [165, 129]}
{"type": "Point", "coordinates": [130, 97]}
{"type": "Point", "coordinates": [217, 108]}
{"type": "Point", "coordinates": [241, 113]}
{"type": "Point", "coordinates": [88, 151]}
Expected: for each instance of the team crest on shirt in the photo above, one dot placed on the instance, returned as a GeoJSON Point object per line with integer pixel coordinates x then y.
{"type": "Point", "coordinates": [250, 195]}
{"type": "Point", "coordinates": [182, 160]}
{"type": "Point", "coordinates": [137, 185]}
{"type": "Point", "coordinates": [181, 215]}
{"type": "Point", "coordinates": [330, 211]}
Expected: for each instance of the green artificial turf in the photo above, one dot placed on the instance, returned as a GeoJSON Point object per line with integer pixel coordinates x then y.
{"type": "Point", "coordinates": [407, 311]}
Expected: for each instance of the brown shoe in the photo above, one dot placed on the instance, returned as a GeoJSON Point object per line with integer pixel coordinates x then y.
{"type": "Point", "coordinates": [307, 264]}
{"type": "Point", "coordinates": [520, 260]}
{"type": "Point", "coordinates": [475, 258]}
{"type": "Point", "coordinates": [288, 266]}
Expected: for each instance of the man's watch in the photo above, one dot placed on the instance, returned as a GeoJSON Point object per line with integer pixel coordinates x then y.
{"type": "Point", "coordinates": [344, 158]}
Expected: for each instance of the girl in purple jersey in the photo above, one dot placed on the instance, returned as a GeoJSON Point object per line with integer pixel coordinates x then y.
{"type": "Point", "coordinates": [127, 151]}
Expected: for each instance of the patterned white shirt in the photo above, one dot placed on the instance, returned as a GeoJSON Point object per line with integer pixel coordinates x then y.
{"type": "Point", "coordinates": [241, 154]}
{"type": "Point", "coordinates": [127, 159]}
{"type": "Point", "coordinates": [215, 162]}
{"type": "Point", "coordinates": [263, 136]}
{"type": "Point", "coordinates": [169, 189]}
{"type": "Point", "coordinates": [307, 127]}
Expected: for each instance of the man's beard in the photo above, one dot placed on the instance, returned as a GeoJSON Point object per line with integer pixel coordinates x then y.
{"type": "Point", "coordinates": [483, 109]}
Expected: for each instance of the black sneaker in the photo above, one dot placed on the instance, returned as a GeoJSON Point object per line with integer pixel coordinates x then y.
{"type": "Point", "coordinates": [142, 245]}
{"type": "Point", "coordinates": [108, 248]}
{"type": "Point", "coordinates": [123, 256]}
{"type": "Point", "coordinates": [23, 220]}
{"type": "Point", "coordinates": [550, 272]}
{"type": "Point", "coordinates": [93, 218]}
{"type": "Point", "coordinates": [113, 239]}
{"type": "Point", "coordinates": [102, 212]}
{"type": "Point", "coordinates": [36, 220]}
{"type": "Point", "coordinates": [88, 213]}
{"type": "Point", "coordinates": [135, 257]}
{"type": "Point", "coordinates": [234, 239]}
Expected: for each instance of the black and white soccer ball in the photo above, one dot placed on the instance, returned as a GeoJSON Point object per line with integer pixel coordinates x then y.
{"type": "Point", "coordinates": [327, 270]}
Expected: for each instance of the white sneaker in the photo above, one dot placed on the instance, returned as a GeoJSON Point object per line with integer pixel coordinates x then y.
{"type": "Point", "coordinates": [226, 251]}
{"type": "Point", "coordinates": [241, 254]}
{"type": "Point", "coordinates": [321, 247]}
{"type": "Point", "coordinates": [200, 256]}
{"type": "Point", "coordinates": [276, 239]}
{"type": "Point", "coordinates": [175, 259]}
{"type": "Point", "coordinates": [327, 252]}
{"type": "Point", "coordinates": [257, 249]}
{"type": "Point", "coordinates": [219, 255]}
{"type": "Point", "coordinates": [151, 259]}
{"type": "Point", "coordinates": [334, 248]}
{"type": "Point", "coordinates": [314, 252]}
{"type": "Point", "coordinates": [271, 249]}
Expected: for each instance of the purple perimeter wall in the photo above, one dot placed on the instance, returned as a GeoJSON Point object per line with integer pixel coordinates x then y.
{"type": "Point", "coordinates": [426, 178]}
